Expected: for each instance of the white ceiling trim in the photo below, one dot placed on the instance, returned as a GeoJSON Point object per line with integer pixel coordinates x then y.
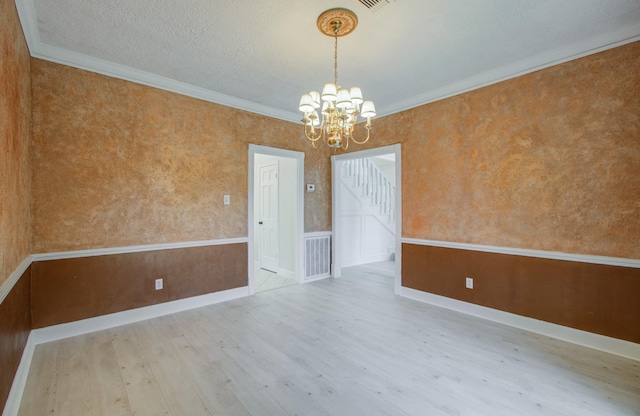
{"type": "Point", "coordinates": [28, 19]}
{"type": "Point", "coordinates": [27, 14]}
{"type": "Point", "coordinates": [527, 66]}
{"type": "Point", "coordinates": [100, 66]}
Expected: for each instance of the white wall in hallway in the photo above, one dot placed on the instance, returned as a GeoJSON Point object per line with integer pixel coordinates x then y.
{"type": "Point", "coordinates": [367, 237]}
{"type": "Point", "coordinates": [387, 165]}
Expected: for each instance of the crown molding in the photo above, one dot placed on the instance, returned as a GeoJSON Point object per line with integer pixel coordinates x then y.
{"type": "Point", "coordinates": [27, 14]}
{"type": "Point", "coordinates": [37, 49]}
{"type": "Point", "coordinates": [103, 67]}
{"type": "Point", "coordinates": [535, 63]}
{"type": "Point", "coordinates": [28, 19]}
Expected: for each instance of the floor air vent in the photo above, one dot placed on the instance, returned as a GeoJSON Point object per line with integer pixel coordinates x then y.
{"type": "Point", "coordinates": [317, 255]}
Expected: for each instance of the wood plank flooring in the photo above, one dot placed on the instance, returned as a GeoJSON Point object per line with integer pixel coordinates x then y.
{"type": "Point", "coordinates": [343, 346]}
{"type": "Point", "coordinates": [267, 280]}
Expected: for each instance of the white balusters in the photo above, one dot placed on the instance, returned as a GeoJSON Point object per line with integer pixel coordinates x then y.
{"type": "Point", "coordinates": [373, 184]}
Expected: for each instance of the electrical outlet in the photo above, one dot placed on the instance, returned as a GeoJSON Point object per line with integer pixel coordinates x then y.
{"type": "Point", "coordinates": [469, 283]}
{"type": "Point", "coordinates": [159, 284]}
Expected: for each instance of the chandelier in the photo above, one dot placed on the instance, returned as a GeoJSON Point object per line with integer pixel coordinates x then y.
{"type": "Point", "coordinates": [341, 107]}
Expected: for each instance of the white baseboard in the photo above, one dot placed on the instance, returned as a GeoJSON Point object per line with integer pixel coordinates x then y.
{"type": "Point", "coordinates": [366, 260]}
{"type": "Point", "coordinates": [12, 405]}
{"type": "Point", "coordinates": [287, 273]}
{"type": "Point", "coordinates": [316, 278]}
{"type": "Point", "coordinates": [587, 339]}
{"type": "Point", "coordinates": [85, 326]}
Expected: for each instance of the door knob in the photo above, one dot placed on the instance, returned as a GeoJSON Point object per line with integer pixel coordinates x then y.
{"type": "Point", "coordinates": [259, 222]}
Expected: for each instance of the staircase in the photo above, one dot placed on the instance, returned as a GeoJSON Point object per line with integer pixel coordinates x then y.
{"type": "Point", "coordinates": [368, 212]}
{"type": "Point", "coordinates": [373, 184]}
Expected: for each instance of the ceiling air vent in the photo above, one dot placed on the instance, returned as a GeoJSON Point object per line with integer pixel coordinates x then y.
{"type": "Point", "coordinates": [374, 5]}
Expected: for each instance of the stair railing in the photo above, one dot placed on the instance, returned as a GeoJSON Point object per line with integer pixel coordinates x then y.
{"type": "Point", "coordinates": [367, 176]}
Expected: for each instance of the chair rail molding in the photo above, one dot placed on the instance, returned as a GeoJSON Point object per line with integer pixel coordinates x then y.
{"type": "Point", "coordinates": [553, 255]}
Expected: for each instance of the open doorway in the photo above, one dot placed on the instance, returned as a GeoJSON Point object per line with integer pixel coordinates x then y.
{"type": "Point", "coordinates": [366, 210]}
{"type": "Point", "coordinates": [275, 217]}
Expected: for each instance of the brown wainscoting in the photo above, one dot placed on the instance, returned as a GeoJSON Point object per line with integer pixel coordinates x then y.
{"type": "Point", "coordinates": [15, 325]}
{"type": "Point", "coordinates": [71, 289]}
{"type": "Point", "coordinates": [597, 298]}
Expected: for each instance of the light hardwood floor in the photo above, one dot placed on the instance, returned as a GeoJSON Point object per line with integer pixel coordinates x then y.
{"type": "Point", "coordinates": [267, 280]}
{"type": "Point", "coordinates": [335, 347]}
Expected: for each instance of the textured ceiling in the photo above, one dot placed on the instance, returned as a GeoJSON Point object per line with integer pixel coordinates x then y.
{"type": "Point", "coordinates": [261, 56]}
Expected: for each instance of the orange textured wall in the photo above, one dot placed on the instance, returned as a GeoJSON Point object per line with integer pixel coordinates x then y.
{"type": "Point", "coordinates": [15, 132]}
{"type": "Point", "coordinates": [124, 164]}
{"type": "Point", "coordinates": [547, 161]}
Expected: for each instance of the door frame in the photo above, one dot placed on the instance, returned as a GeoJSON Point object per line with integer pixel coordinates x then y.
{"type": "Point", "coordinates": [299, 232]}
{"type": "Point", "coordinates": [336, 260]}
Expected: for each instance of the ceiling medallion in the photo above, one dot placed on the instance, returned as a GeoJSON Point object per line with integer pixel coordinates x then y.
{"type": "Point", "coordinates": [346, 21]}
{"type": "Point", "coordinates": [340, 106]}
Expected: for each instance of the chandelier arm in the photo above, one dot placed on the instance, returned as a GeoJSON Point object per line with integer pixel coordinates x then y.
{"type": "Point", "coordinates": [313, 136]}
{"type": "Point", "coordinates": [365, 140]}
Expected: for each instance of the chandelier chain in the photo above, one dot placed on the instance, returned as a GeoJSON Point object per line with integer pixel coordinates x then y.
{"type": "Point", "coordinates": [335, 62]}
{"type": "Point", "coordinates": [336, 30]}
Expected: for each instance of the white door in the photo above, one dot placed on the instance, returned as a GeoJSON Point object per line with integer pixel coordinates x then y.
{"type": "Point", "coordinates": [268, 216]}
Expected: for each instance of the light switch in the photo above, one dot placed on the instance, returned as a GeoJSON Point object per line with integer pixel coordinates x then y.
{"type": "Point", "coordinates": [227, 199]}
